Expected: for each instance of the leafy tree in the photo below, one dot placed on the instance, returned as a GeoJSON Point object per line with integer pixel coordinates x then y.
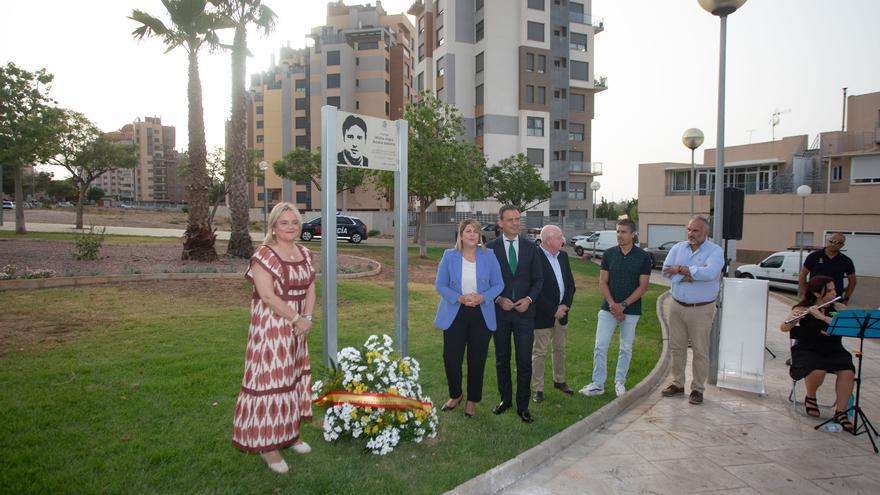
{"type": "Point", "coordinates": [86, 153]}
{"type": "Point", "coordinates": [631, 208]}
{"type": "Point", "coordinates": [192, 26]}
{"type": "Point", "coordinates": [303, 165]}
{"type": "Point", "coordinates": [442, 163]}
{"type": "Point", "coordinates": [25, 107]}
{"type": "Point", "coordinates": [239, 14]}
{"type": "Point", "coordinates": [61, 190]}
{"type": "Point", "coordinates": [515, 181]}
{"type": "Point", "coordinates": [95, 193]}
{"type": "Point", "coordinates": [606, 210]}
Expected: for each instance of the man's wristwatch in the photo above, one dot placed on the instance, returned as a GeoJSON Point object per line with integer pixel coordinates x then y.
{"type": "Point", "coordinates": [308, 317]}
{"type": "Point", "coordinates": [624, 304]}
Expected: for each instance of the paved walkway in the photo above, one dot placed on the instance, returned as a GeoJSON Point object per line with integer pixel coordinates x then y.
{"type": "Point", "coordinates": [735, 443]}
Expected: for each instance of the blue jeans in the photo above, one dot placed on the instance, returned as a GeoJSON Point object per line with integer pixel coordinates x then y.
{"type": "Point", "coordinates": [604, 331]}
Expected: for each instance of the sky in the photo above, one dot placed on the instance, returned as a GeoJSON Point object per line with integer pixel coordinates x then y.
{"type": "Point", "coordinates": [660, 57]}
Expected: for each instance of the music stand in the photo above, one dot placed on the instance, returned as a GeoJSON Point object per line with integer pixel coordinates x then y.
{"type": "Point", "coordinates": [860, 324]}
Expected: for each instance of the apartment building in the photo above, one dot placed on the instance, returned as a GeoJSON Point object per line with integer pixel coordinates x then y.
{"type": "Point", "coordinates": [359, 62]}
{"type": "Point", "coordinates": [842, 169]}
{"type": "Point", "coordinates": [156, 178]}
{"type": "Point", "coordinates": [522, 74]}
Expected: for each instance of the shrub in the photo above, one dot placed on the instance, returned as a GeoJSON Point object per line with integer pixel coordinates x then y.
{"type": "Point", "coordinates": [88, 244]}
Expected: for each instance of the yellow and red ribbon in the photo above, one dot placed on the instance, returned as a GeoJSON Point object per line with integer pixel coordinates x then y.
{"type": "Point", "coordinates": [377, 400]}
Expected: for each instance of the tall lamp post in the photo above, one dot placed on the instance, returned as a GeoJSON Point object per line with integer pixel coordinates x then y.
{"type": "Point", "coordinates": [264, 165]}
{"type": "Point", "coordinates": [803, 191]}
{"type": "Point", "coordinates": [721, 8]}
{"type": "Point", "coordinates": [594, 186]}
{"type": "Point", "coordinates": [692, 139]}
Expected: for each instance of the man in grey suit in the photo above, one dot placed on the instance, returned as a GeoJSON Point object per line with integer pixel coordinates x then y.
{"type": "Point", "coordinates": [523, 279]}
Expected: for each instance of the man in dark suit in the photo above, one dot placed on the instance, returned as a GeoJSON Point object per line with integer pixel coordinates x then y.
{"type": "Point", "coordinates": [523, 278]}
{"type": "Point", "coordinates": [551, 311]}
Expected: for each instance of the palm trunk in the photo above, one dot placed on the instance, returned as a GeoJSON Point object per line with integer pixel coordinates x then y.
{"type": "Point", "coordinates": [240, 243]}
{"type": "Point", "coordinates": [198, 243]}
{"type": "Point", "coordinates": [19, 201]}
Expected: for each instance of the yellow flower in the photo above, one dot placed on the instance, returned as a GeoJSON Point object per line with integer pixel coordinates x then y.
{"type": "Point", "coordinates": [392, 390]}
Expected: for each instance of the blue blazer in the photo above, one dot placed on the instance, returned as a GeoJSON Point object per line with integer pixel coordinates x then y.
{"type": "Point", "coordinates": [448, 284]}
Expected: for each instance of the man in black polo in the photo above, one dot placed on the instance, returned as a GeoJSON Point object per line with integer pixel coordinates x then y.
{"type": "Point", "coordinates": [831, 263]}
{"type": "Point", "coordinates": [623, 279]}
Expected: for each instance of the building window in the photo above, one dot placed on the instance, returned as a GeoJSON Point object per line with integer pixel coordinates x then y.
{"type": "Point", "coordinates": [559, 94]}
{"type": "Point", "coordinates": [542, 64]}
{"type": "Point", "coordinates": [420, 81]}
{"type": "Point", "coordinates": [368, 45]}
{"type": "Point", "coordinates": [530, 94]}
{"type": "Point", "coordinates": [260, 110]}
{"type": "Point", "coordinates": [534, 126]}
{"type": "Point", "coordinates": [421, 24]}
{"type": "Point", "coordinates": [478, 5]}
{"type": "Point", "coordinates": [837, 173]}
{"type": "Point", "coordinates": [357, 61]}
{"type": "Point", "coordinates": [580, 70]}
{"type": "Point", "coordinates": [478, 126]}
{"type": "Point", "coordinates": [559, 155]}
{"type": "Point", "coordinates": [259, 138]}
{"type": "Point", "coordinates": [534, 31]}
{"type": "Point", "coordinates": [259, 124]}
{"type": "Point", "coordinates": [440, 38]}
{"type": "Point", "coordinates": [421, 51]}
{"type": "Point", "coordinates": [300, 103]}
{"type": "Point", "coordinates": [530, 62]}
{"type": "Point", "coordinates": [332, 80]}
{"type": "Point", "coordinates": [576, 156]}
{"type": "Point", "coordinates": [560, 124]}
{"type": "Point", "coordinates": [577, 191]}
{"type": "Point", "coordinates": [478, 31]}
{"type": "Point", "coordinates": [478, 63]}
{"type": "Point", "coordinates": [302, 197]}
{"type": "Point", "coordinates": [560, 31]}
{"type": "Point", "coordinates": [576, 102]}
{"type": "Point", "coordinates": [441, 68]}
{"type": "Point", "coordinates": [478, 95]}
{"type": "Point", "coordinates": [808, 241]}
{"type": "Point", "coordinates": [387, 65]}
{"type": "Point", "coordinates": [333, 101]}
{"type": "Point", "coordinates": [536, 4]}
{"type": "Point", "coordinates": [387, 109]}
{"type": "Point", "coordinates": [333, 57]}
{"type": "Point", "coordinates": [302, 142]}
{"type": "Point", "coordinates": [542, 95]}
{"type": "Point", "coordinates": [302, 122]}
{"type": "Point", "coordinates": [865, 170]}
{"type": "Point", "coordinates": [576, 132]}
{"type": "Point", "coordinates": [535, 156]}
{"type": "Point", "coordinates": [560, 63]}
{"type": "Point", "coordinates": [387, 88]}
{"type": "Point", "coordinates": [681, 180]}
{"type": "Point", "coordinates": [300, 85]}
{"type": "Point", "coordinates": [578, 42]}
{"type": "Point", "coordinates": [559, 186]}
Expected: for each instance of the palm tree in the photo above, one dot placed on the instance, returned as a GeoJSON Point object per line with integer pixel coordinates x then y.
{"type": "Point", "coordinates": [192, 26]}
{"type": "Point", "coordinates": [240, 13]}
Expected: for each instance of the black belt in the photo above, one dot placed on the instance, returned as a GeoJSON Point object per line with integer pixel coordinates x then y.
{"type": "Point", "coordinates": [693, 305]}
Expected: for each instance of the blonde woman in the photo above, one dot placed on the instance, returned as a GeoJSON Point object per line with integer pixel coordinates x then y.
{"type": "Point", "coordinates": [468, 281]}
{"type": "Point", "coordinates": [275, 394]}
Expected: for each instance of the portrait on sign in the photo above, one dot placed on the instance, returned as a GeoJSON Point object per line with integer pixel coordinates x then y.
{"type": "Point", "coordinates": [367, 142]}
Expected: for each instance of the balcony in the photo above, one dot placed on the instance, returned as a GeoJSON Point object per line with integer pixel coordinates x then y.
{"type": "Point", "coordinates": [598, 23]}
{"type": "Point", "coordinates": [600, 83]}
{"type": "Point", "coordinates": [585, 168]}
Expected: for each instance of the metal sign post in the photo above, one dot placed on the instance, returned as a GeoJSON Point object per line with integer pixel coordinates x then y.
{"type": "Point", "coordinates": [371, 143]}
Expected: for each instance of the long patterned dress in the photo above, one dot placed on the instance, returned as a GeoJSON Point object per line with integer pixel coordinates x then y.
{"type": "Point", "coordinates": [275, 392]}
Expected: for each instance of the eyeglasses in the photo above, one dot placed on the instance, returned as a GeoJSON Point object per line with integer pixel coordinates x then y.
{"type": "Point", "coordinates": [836, 243]}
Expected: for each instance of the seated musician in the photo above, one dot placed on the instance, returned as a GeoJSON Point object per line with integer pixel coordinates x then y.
{"type": "Point", "coordinates": [816, 353]}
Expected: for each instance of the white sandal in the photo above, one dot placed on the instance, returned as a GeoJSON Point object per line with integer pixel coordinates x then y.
{"type": "Point", "coordinates": [279, 467]}
{"type": "Point", "coordinates": [301, 448]}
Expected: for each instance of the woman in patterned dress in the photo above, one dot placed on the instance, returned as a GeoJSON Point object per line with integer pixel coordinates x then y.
{"type": "Point", "coordinates": [275, 392]}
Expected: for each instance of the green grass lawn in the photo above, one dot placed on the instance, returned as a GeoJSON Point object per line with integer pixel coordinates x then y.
{"type": "Point", "coordinates": [138, 395]}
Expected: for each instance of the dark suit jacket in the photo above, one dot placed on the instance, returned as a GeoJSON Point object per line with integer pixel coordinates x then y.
{"type": "Point", "coordinates": [529, 276]}
{"type": "Point", "coordinates": [548, 300]}
{"type": "Point", "coordinates": [342, 159]}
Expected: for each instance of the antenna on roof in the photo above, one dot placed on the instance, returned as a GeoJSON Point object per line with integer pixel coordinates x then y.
{"type": "Point", "coordinates": [774, 121]}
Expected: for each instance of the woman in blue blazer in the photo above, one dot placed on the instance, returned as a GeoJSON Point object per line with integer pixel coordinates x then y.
{"type": "Point", "coordinates": [468, 281]}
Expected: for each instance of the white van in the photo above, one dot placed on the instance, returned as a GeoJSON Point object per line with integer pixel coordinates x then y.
{"type": "Point", "coordinates": [597, 243]}
{"type": "Point", "coordinates": [780, 269]}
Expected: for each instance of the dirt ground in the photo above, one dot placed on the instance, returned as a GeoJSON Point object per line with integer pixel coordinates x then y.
{"type": "Point", "coordinates": [116, 217]}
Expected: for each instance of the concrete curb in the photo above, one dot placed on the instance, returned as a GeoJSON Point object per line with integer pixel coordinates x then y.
{"type": "Point", "coordinates": [506, 474]}
{"type": "Point", "coordinates": [50, 283]}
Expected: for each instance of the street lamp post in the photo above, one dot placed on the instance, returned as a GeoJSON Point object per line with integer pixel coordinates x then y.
{"type": "Point", "coordinates": [692, 138]}
{"type": "Point", "coordinates": [803, 191]}
{"type": "Point", "coordinates": [721, 8]}
{"type": "Point", "coordinates": [264, 165]}
{"type": "Point", "coordinates": [594, 186]}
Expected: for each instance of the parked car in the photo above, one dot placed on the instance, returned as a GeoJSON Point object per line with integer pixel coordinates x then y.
{"type": "Point", "coordinates": [489, 232]}
{"type": "Point", "coordinates": [349, 228]}
{"type": "Point", "coordinates": [658, 254]}
{"type": "Point", "coordinates": [780, 269]}
{"type": "Point", "coordinates": [64, 204]}
{"type": "Point", "coordinates": [8, 205]}
{"type": "Point", "coordinates": [575, 238]}
{"type": "Point", "coordinates": [125, 206]}
{"type": "Point", "coordinates": [534, 234]}
{"type": "Point", "coordinates": [597, 243]}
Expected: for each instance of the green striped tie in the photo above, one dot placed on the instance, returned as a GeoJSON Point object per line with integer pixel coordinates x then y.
{"type": "Point", "coordinates": [511, 257]}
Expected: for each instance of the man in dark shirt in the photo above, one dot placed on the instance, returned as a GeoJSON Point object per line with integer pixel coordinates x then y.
{"type": "Point", "coordinates": [623, 279]}
{"type": "Point", "coordinates": [832, 263]}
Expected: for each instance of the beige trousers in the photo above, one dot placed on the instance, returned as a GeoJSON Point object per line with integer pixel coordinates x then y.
{"type": "Point", "coordinates": [694, 324]}
{"type": "Point", "coordinates": [539, 352]}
